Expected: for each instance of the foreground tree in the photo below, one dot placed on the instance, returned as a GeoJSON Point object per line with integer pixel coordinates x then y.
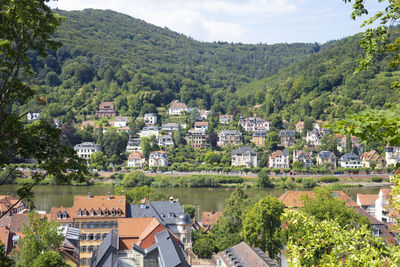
{"type": "Point", "coordinates": [40, 245]}
{"type": "Point", "coordinates": [261, 226]}
{"type": "Point", "coordinates": [27, 27]}
{"type": "Point", "coordinates": [325, 243]}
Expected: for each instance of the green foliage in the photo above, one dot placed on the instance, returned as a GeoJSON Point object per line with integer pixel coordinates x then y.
{"type": "Point", "coordinates": [4, 260]}
{"type": "Point", "coordinates": [97, 161]}
{"type": "Point", "coordinates": [326, 207]}
{"type": "Point", "coordinates": [272, 141]}
{"type": "Point", "coordinates": [325, 243]}
{"type": "Point", "coordinates": [191, 210]}
{"type": "Point", "coordinates": [308, 183]}
{"type": "Point", "coordinates": [261, 226]}
{"type": "Point", "coordinates": [136, 194]}
{"type": "Point", "coordinates": [114, 144]}
{"type": "Point", "coordinates": [40, 245]}
{"type": "Point", "coordinates": [376, 179]}
{"type": "Point", "coordinates": [263, 180]}
{"type": "Point", "coordinates": [196, 180]}
{"type": "Point", "coordinates": [136, 178]}
{"type": "Point", "coordinates": [204, 247]}
{"type": "Point", "coordinates": [328, 179]}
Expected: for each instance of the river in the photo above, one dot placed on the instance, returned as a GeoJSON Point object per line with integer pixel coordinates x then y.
{"type": "Point", "coordinates": [204, 199]}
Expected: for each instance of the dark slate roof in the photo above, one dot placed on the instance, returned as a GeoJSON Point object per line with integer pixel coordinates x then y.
{"type": "Point", "coordinates": [244, 255]}
{"type": "Point", "coordinates": [106, 254]}
{"type": "Point", "coordinates": [230, 132]}
{"type": "Point", "coordinates": [349, 156]}
{"type": "Point", "coordinates": [285, 152]}
{"type": "Point", "coordinates": [166, 212]}
{"type": "Point", "coordinates": [170, 253]}
{"type": "Point", "coordinates": [245, 149]}
{"type": "Point", "coordinates": [325, 154]}
{"type": "Point", "coordinates": [286, 133]}
{"type": "Point", "coordinates": [260, 133]}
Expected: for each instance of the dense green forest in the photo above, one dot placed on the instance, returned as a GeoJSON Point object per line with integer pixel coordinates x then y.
{"type": "Point", "coordinates": [324, 86]}
{"type": "Point", "coordinates": [108, 56]}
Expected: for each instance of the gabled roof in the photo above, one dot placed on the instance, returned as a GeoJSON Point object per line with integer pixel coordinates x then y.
{"type": "Point", "coordinates": [230, 132]}
{"type": "Point", "coordinates": [200, 123]}
{"type": "Point", "coordinates": [371, 155]}
{"type": "Point", "coordinates": [349, 156]}
{"type": "Point", "coordinates": [326, 154]}
{"type": "Point", "coordinates": [300, 124]}
{"type": "Point", "coordinates": [169, 251]}
{"type": "Point", "coordinates": [178, 104]}
{"type": "Point", "coordinates": [366, 199]}
{"type": "Point", "coordinates": [106, 105]}
{"type": "Point", "coordinates": [136, 155]}
{"type": "Point", "coordinates": [245, 149]}
{"type": "Point", "coordinates": [210, 217]}
{"type": "Point", "coordinates": [71, 213]}
{"type": "Point", "coordinates": [293, 198]}
{"type": "Point", "coordinates": [279, 153]}
{"type": "Point", "coordinates": [260, 133]}
{"type": "Point", "coordinates": [287, 133]}
{"type": "Point", "coordinates": [226, 117]}
{"type": "Point", "coordinates": [243, 255]}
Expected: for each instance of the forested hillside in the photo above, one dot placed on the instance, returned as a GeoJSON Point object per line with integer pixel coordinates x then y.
{"type": "Point", "coordinates": [107, 56]}
{"type": "Point", "coordinates": [324, 85]}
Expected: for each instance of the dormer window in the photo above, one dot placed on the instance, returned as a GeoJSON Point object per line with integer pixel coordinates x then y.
{"type": "Point", "coordinates": [84, 213]}
{"type": "Point", "coordinates": [99, 212]}
{"type": "Point", "coordinates": [65, 215]}
{"type": "Point", "coordinates": [58, 215]}
{"type": "Point", "coordinates": [119, 212]}
{"type": "Point", "coordinates": [113, 211]}
{"type": "Point", "coordinates": [92, 212]}
{"type": "Point", "coordinates": [106, 212]}
{"type": "Point", "coordinates": [171, 215]}
{"type": "Point", "coordinates": [79, 212]}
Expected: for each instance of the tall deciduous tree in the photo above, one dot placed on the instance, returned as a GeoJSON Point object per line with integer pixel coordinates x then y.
{"type": "Point", "coordinates": [27, 26]}
{"type": "Point", "coordinates": [40, 245]}
{"type": "Point", "coordinates": [262, 224]}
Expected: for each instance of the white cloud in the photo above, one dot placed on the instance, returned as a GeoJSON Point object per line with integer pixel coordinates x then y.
{"type": "Point", "coordinates": [206, 20]}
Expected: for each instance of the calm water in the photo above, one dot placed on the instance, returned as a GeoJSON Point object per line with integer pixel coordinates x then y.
{"type": "Point", "coordinates": [204, 199]}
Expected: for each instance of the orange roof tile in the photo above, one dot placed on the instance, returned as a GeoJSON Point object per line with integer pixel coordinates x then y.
{"type": "Point", "coordinates": [100, 202]}
{"type": "Point", "coordinates": [136, 155]}
{"type": "Point", "coordinates": [386, 191]}
{"type": "Point", "coordinates": [210, 218]}
{"type": "Point", "coordinates": [367, 200]}
{"type": "Point", "coordinates": [71, 213]}
{"type": "Point", "coordinates": [293, 198]}
{"type": "Point", "coordinates": [4, 235]}
{"type": "Point", "coordinates": [201, 123]}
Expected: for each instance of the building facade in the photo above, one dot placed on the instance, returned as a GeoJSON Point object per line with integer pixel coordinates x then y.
{"type": "Point", "coordinates": [287, 138]}
{"type": "Point", "coordinates": [350, 160]}
{"type": "Point", "coordinates": [326, 158]}
{"type": "Point", "coordinates": [177, 108]}
{"type": "Point", "coordinates": [225, 119]}
{"type": "Point", "coordinates": [304, 157]}
{"type": "Point", "coordinates": [158, 159]}
{"type": "Point", "coordinates": [121, 121]}
{"type": "Point", "coordinates": [229, 137]}
{"type": "Point", "coordinates": [252, 124]}
{"type": "Point", "coordinates": [197, 139]}
{"type": "Point", "coordinates": [136, 160]}
{"type": "Point", "coordinates": [244, 156]}
{"type": "Point", "coordinates": [150, 119]}
{"type": "Point", "coordinates": [279, 159]}
{"type": "Point", "coordinates": [106, 109]}
{"type": "Point", "coordinates": [86, 149]}
{"type": "Point", "coordinates": [259, 138]}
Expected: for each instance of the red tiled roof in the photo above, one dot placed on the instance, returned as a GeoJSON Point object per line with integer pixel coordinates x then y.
{"type": "Point", "coordinates": [4, 235]}
{"type": "Point", "coordinates": [275, 154]}
{"type": "Point", "coordinates": [210, 218]}
{"type": "Point", "coordinates": [71, 213]}
{"type": "Point", "coordinates": [106, 105]}
{"type": "Point", "coordinates": [366, 200]}
{"type": "Point", "coordinates": [293, 198]}
{"type": "Point", "coordinates": [136, 155]}
{"type": "Point", "coordinates": [177, 104]}
{"type": "Point", "coordinates": [386, 191]}
{"type": "Point", "coordinates": [201, 123]}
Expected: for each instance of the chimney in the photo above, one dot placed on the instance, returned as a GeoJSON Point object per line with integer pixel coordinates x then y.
{"type": "Point", "coordinates": [171, 199]}
{"type": "Point", "coordinates": [89, 195]}
{"type": "Point", "coordinates": [109, 195]}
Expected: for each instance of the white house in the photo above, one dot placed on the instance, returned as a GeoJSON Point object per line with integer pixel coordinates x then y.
{"type": "Point", "coordinates": [204, 113]}
{"type": "Point", "coordinates": [367, 202]}
{"type": "Point", "coordinates": [279, 159]}
{"type": "Point", "coordinates": [33, 116]}
{"type": "Point", "coordinates": [201, 126]}
{"type": "Point", "coordinates": [170, 127]}
{"type": "Point", "coordinates": [383, 212]}
{"type": "Point", "coordinates": [392, 155]}
{"type": "Point", "coordinates": [121, 121]}
{"type": "Point", "coordinates": [252, 124]}
{"type": "Point", "coordinates": [150, 119]}
{"type": "Point", "coordinates": [165, 140]}
{"type": "Point", "coordinates": [350, 160]}
{"type": "Point", "coordinates": [158, 159]}
{"type": "Point", "coordinates": [225, 119]}
{"type": "Point", "coordinates": [149, 131]}
{"type": "Point", "coordinates": [244, 156]}
{"type": "Point", "coordinates": [136, 160]}
{"type": "Point", "coordinates": [86, 149]}
{"type": "Point", "coordinates": [133, 145]}
{"type": "Point", "coordinates": [177, 108]}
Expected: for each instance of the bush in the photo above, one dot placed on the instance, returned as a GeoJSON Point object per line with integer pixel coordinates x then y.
{"type": "Point", "coordinates": [204, 247]}
{"type": "Point", "coordinates": [328, 179]}
{"type": "Point", "coordinates": [136, 178]}
{"type": "Point", "coordinates": [308, 183]}
{"type": "Point", "coordinates": [376, 179]}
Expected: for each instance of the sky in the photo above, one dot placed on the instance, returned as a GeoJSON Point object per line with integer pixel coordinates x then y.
{"type": "Point", "coordinates": [245, 21]}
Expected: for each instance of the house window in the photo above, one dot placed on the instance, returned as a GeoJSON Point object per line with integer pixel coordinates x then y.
{"type": "Point", "coordinates": [106, 212]}
{"type": "Point", "coordinates": [112, 212]}
{"type": "Point", "coordinates": [84, 213]}
{"type": "Point", "coordinates": [92, 213]}
{"type": "Point", "coordinates": [76, 225]}
{"type": "Point", "coordinates": [99, 212]}
{"type": "Point", "coordinates": [90, 248]}
{"type": "Point", "coordinates": [83, 248]}
{"type": "Point", "coordinates": [103, 236]}
{"type": "Point", "coordinates": [97, 237]}
{"type": "Point", "coordinates": [58, 215]}
{"type": "Point", "coordinates": [91, 236]}
{"type": "Point", "coordinates": [184, 240]}
{"type": "Point", "coordinates": [65, 215]}
{"type": "Point", "coordinates": [84, 236]}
